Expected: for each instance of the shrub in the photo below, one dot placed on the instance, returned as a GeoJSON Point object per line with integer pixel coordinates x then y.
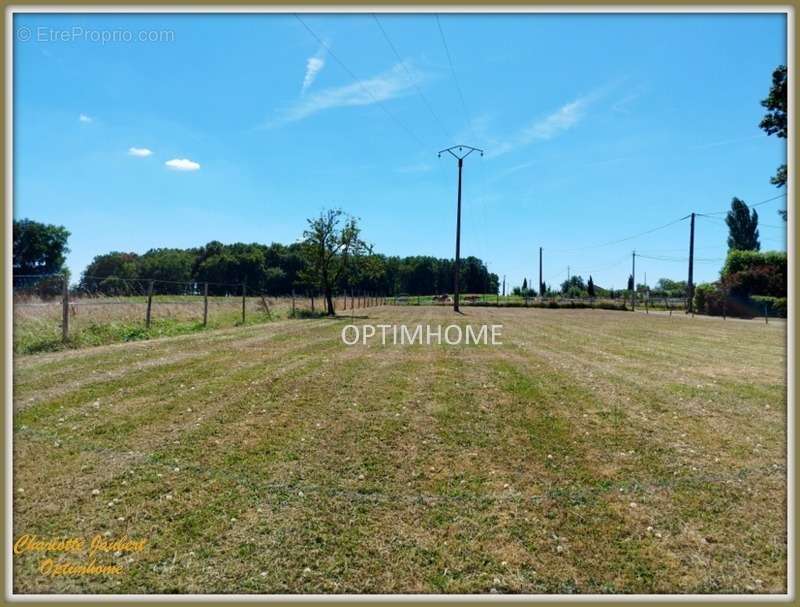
{"type": "Point", "coordinates": [709, 298]}
{"type": "Point", "coordinates": [748, 273]}
{"type": "Point", "coordinates": [776, 306]}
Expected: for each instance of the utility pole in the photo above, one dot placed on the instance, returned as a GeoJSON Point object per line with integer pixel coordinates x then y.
{"type": "Point", "coordinates": [541, 290]}
{"type": "Point", "coordinates": [459, 152]}
{"type": "Point", "coordinates": [504, 285]}
{"type": "Point", "coordinates": [690, 283]}
{"type": "Point", "coordinates": [633, 276]}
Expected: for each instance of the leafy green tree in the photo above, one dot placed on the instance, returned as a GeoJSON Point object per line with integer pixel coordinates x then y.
{"type": "Point", "coordinates": [332, 243]}
{"type": "Point", "coordinates": [39, 248]}
{"type": "Point", "coordinates": [775, 121]}
{"type": "Point", "coordinates": [742, 227]}
{"type": "Point", "coordinates": [670, 288]}
{"type": "Point", "coordinates": [524, 285]}
{"type": "Point", "coordinates": [590, 287]}
{"type": "Point", "coordinates": [575, 283]}
{"type": "Point", "coordinates": [109, 272]}
{"type": "Point", "coordinates": [172, 266]}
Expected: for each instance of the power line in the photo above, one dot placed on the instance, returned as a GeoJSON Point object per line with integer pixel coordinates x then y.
{"type": "Point", "coordinates": [410, 77]}
{"type": "Point", "coordinates": [627, 238]}
{"type": "Point", "coordinates": [757, 204]}
{"type": "Point", "coordinates": [679, 259]}
{"type": "Point", "coordinates": [399, 122]}
{"type": "Point", "coordinates": [455, 78]}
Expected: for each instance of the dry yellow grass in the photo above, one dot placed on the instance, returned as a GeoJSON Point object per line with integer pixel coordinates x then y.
{"type": "Point", "coordinates": [594, 451]}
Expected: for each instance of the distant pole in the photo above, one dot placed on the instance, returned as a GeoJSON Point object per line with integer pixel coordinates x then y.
{"type": "Point", "coordinates": [541, 290]}
{"type": "Point", "coordinates": [458, 152]}
{"type": "Point", "coordinates": [64, 307]}
{"type": "Point", "coordinates": [690, 283]}
{"type": "Point", "coordinates": [633, 290]}
{"type": "Point", "coordinates": [646, 294]}
{"type": "Point", "coordinates": [504, 285]}
{"type": "Point", "coordinates": [205, 304]}
{"type": "Point", "coordinates": [244, 300]}
{"type": "Point", "coordinates": [149, 303]}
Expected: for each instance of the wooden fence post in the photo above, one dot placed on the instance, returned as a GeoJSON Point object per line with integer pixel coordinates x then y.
{"type": "Point", "coordinates": [149, 303]}
{"type": "Point", "coordinates": [244, 301]}
{"type": "Point", "coordinates": [64, 308]}
{"type": "Point", "coordinates": [766, 315]}
{"type": "Point", "coordinates": [266, 306]}
{"type": "Point", "coordinates": [205, 304]}
{"type": "Point", "coordinates": [292, 302]}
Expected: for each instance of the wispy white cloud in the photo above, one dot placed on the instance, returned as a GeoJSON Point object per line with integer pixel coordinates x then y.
{"type": "Point", "coordinates": [182, 164]}
{"type": "Point", "coordinates": [140, 152]}
{"type": "Point", "coordinates": [547, 127]}
{"type": "Point", "coordinates": [84, 118]}
{"type": "Point", "coordinates": [314, 66]}
{"type": "Point", "coordinates": [388, 85]}
{"type": "Point", "coordinates": [622, 105]}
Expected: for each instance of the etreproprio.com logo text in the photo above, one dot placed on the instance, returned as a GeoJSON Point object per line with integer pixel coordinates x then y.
{"type": "Point", "coordinates": [97, 36]}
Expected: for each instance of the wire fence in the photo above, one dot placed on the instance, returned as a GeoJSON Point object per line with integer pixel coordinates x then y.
{"type": "Point", "coordinates": [645, 301]}
{"type": "Point", "coordinates": [48, 310]}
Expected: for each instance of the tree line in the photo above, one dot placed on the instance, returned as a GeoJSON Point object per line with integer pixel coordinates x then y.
{"type": "Point", "coordinates": [274, 268]}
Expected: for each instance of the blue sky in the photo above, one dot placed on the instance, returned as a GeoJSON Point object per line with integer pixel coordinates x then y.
{"type": "Point", "coordinates": [239, 127]}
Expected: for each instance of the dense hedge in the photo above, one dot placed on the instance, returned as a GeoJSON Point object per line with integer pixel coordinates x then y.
{"type": "Point", "coordinates": [710, 299]}
{"type": "Point", "coordinates": [748, 273]}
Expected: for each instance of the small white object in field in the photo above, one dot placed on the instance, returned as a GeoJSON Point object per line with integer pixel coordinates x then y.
{"type": "Point", "coordinates": [95, 491]}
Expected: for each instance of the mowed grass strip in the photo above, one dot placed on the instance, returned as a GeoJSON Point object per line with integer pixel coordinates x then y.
{"type": "Point", "coordinates": [592, 452]}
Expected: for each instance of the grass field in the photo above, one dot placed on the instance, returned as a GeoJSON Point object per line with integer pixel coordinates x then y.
{"type": "Point", "coordinates": [594, 451]}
